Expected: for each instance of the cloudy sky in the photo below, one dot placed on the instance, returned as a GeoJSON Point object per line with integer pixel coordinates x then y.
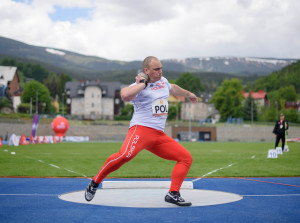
{"type": "Point", "coordinates": [133, 29]}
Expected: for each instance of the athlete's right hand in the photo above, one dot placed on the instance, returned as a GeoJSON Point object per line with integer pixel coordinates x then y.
{"type": "Point", "coordinates": [142, 78]}
{"type": "Point", "coordinates": [139, 78]}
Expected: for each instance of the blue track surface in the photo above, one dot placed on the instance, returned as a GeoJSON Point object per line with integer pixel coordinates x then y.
{"type": "Point", "coordinates": [36, 200]}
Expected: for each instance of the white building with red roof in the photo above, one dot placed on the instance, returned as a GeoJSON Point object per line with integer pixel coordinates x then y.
{"type": "Point", "coordinates": [260, 97]}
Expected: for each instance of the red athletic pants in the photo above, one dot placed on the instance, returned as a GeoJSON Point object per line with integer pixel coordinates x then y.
{"type": "Point", "coordinates": [155, 141]}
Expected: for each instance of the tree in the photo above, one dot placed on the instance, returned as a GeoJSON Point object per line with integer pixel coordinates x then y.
{"type": "Point", "coordinates": [287, 76]}
{"type": "Point", "coordinates": [271, 113]}
{"type": "Point", "coordinates": [190, 82]}
{"type": "Point", "coordinates": [4, 102]}
{"type": "Point", "coordinates": [250, 108]}
{"type": "Point", "coordinates": [56, 84]}
{"type": "Point", "coordinates": [28, 70]}
{"type": "Point", "coordinates": [33, 89]}
{"type": "Point", "coordinates": [63, 79]}
{"type": "Point", "coordinates": [35, 71]}
{"type": "Point", "coordinates": [53, 85]}
{"type": "Point", "coordinates": [126, 113]}
{"type": "Point", "coordinates": [174, 110]}
{"type": "Point", "coordinates": [228, 97]}
{"type": "Point", "coordinates": [9, 62]}
{"type": "Point", "coordinates": [287, 93]}
{"type": "Point", "coordinates": [291, 115]}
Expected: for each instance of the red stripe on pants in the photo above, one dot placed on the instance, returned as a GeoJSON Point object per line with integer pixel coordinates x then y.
{"type": "Point", "coordinates": [155, 141]}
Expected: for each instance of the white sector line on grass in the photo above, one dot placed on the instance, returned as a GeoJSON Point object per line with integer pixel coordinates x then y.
{"type": "Point", "coordinates": [41, 161]}
{"type": "Point", "coordinates": [212, 172]}
{"type": "Point", "coordinates": [54, 166]}
{"type": "Point", "coordinates": [252, 157]}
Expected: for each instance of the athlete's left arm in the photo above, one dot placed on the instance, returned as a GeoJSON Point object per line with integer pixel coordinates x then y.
{"type": "Point", "coordinates": [178, 91]}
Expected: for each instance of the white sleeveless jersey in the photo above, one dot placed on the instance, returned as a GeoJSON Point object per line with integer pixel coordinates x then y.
{"type": "Point", "coordinates": [151, 105]}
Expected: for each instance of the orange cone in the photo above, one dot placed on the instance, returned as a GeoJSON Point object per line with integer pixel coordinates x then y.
{"type": "Point", "coordinates": [38, 141]}
{"type": "Point", "coordinates": [31, 141]}
{"type": "Point", "coordinates": [45, 140]}
{"type": "Point", "coordinates": [1, 144]}
{"type": "Point", "coordinates": [23, 140]}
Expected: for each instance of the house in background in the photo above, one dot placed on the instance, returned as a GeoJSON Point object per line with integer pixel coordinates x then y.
{"type": "Point", "coordinates": [260, 98]}
{"type": "Point", "coordinates": [176, 99]}
{"type": "Point", "coordinates": [92, 99]}
{"type": "Point", "coordinates": [206, 97]}
{"type": "Point", "coordinates": [199, 111]}
{"type": "Point", "coordinates": [293, 105]}
{"type": "Point", "coordinates": [9, 82]}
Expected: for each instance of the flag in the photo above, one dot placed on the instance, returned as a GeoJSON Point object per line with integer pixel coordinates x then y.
{"type": "Point", "coordinates": [35, 122]}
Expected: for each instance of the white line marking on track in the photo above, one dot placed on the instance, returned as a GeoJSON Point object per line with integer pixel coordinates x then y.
{"type": "Point", "coordinates": [272, 195]}
{"type": "Point", "coordinates": [212, 172]}
{"type": "Point", "coordinates": [42, 195]}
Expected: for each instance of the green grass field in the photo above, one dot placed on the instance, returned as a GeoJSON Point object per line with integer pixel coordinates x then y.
{"type": "Point", "coordinates": [85, 159]}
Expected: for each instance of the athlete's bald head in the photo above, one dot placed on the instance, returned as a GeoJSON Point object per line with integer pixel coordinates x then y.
{"type": "Point", "coordinates": [147, 61]}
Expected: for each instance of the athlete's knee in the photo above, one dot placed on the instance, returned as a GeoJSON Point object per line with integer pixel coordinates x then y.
{"type": "Point", "coordinates": [190, 160]}
{"type": "Point", "coordinates": [122, 159]}
{"type": "Point", "coordinates": [118, 159]}
{"type": "Point", "coordinates": [187, 160]}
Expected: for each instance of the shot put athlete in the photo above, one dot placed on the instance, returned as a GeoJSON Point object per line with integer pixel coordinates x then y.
{"type": "Point", "coordinates": [149, 95]}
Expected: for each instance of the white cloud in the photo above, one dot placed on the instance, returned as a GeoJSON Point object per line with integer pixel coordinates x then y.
{"type": "Point", "coordinates": [133, 29]}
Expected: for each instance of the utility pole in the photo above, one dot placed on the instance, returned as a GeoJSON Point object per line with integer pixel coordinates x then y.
{"type": "Point", "coordinates": [276, 110]}
{"type": "Point", "coordinates": [63, 109]}
{"type": "Point", "coordinates": [30, 105]}
{"type": "Point", "coordinates": [251, 111]}
{"type": "Point", "coordinates": [176, 113]}
{"type": "Point", "coordinates": [37, 102]}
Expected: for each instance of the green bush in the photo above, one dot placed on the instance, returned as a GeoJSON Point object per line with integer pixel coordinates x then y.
{"type": "Point", "coordinates": [291, 115]}
{"type": "Point", "coordinates": [4, 102]}
{"type": "Point", "coordinates": [174, 110]}
{"type": "Point", "coordinates": [24, 108]}
{"type": "Point", "coordinates": [126, 113]}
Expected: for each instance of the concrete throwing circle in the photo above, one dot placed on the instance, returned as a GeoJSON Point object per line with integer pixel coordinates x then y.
{"type": "Point", "coordinates": [150, 198]}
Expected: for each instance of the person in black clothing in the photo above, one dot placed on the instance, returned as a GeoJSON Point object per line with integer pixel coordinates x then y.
{"type": "Point", "coordinates": [279, 130]}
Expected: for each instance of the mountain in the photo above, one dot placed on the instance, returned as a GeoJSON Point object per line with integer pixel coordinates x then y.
{"type": "Point", "coordinates": [233, 65]}
{"type": "Point", "coordinates": [61, 61]}
{"type": "Point", "coordinates": [284, 78]}
{"type": "Point", "coordinates": [82, 66]}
